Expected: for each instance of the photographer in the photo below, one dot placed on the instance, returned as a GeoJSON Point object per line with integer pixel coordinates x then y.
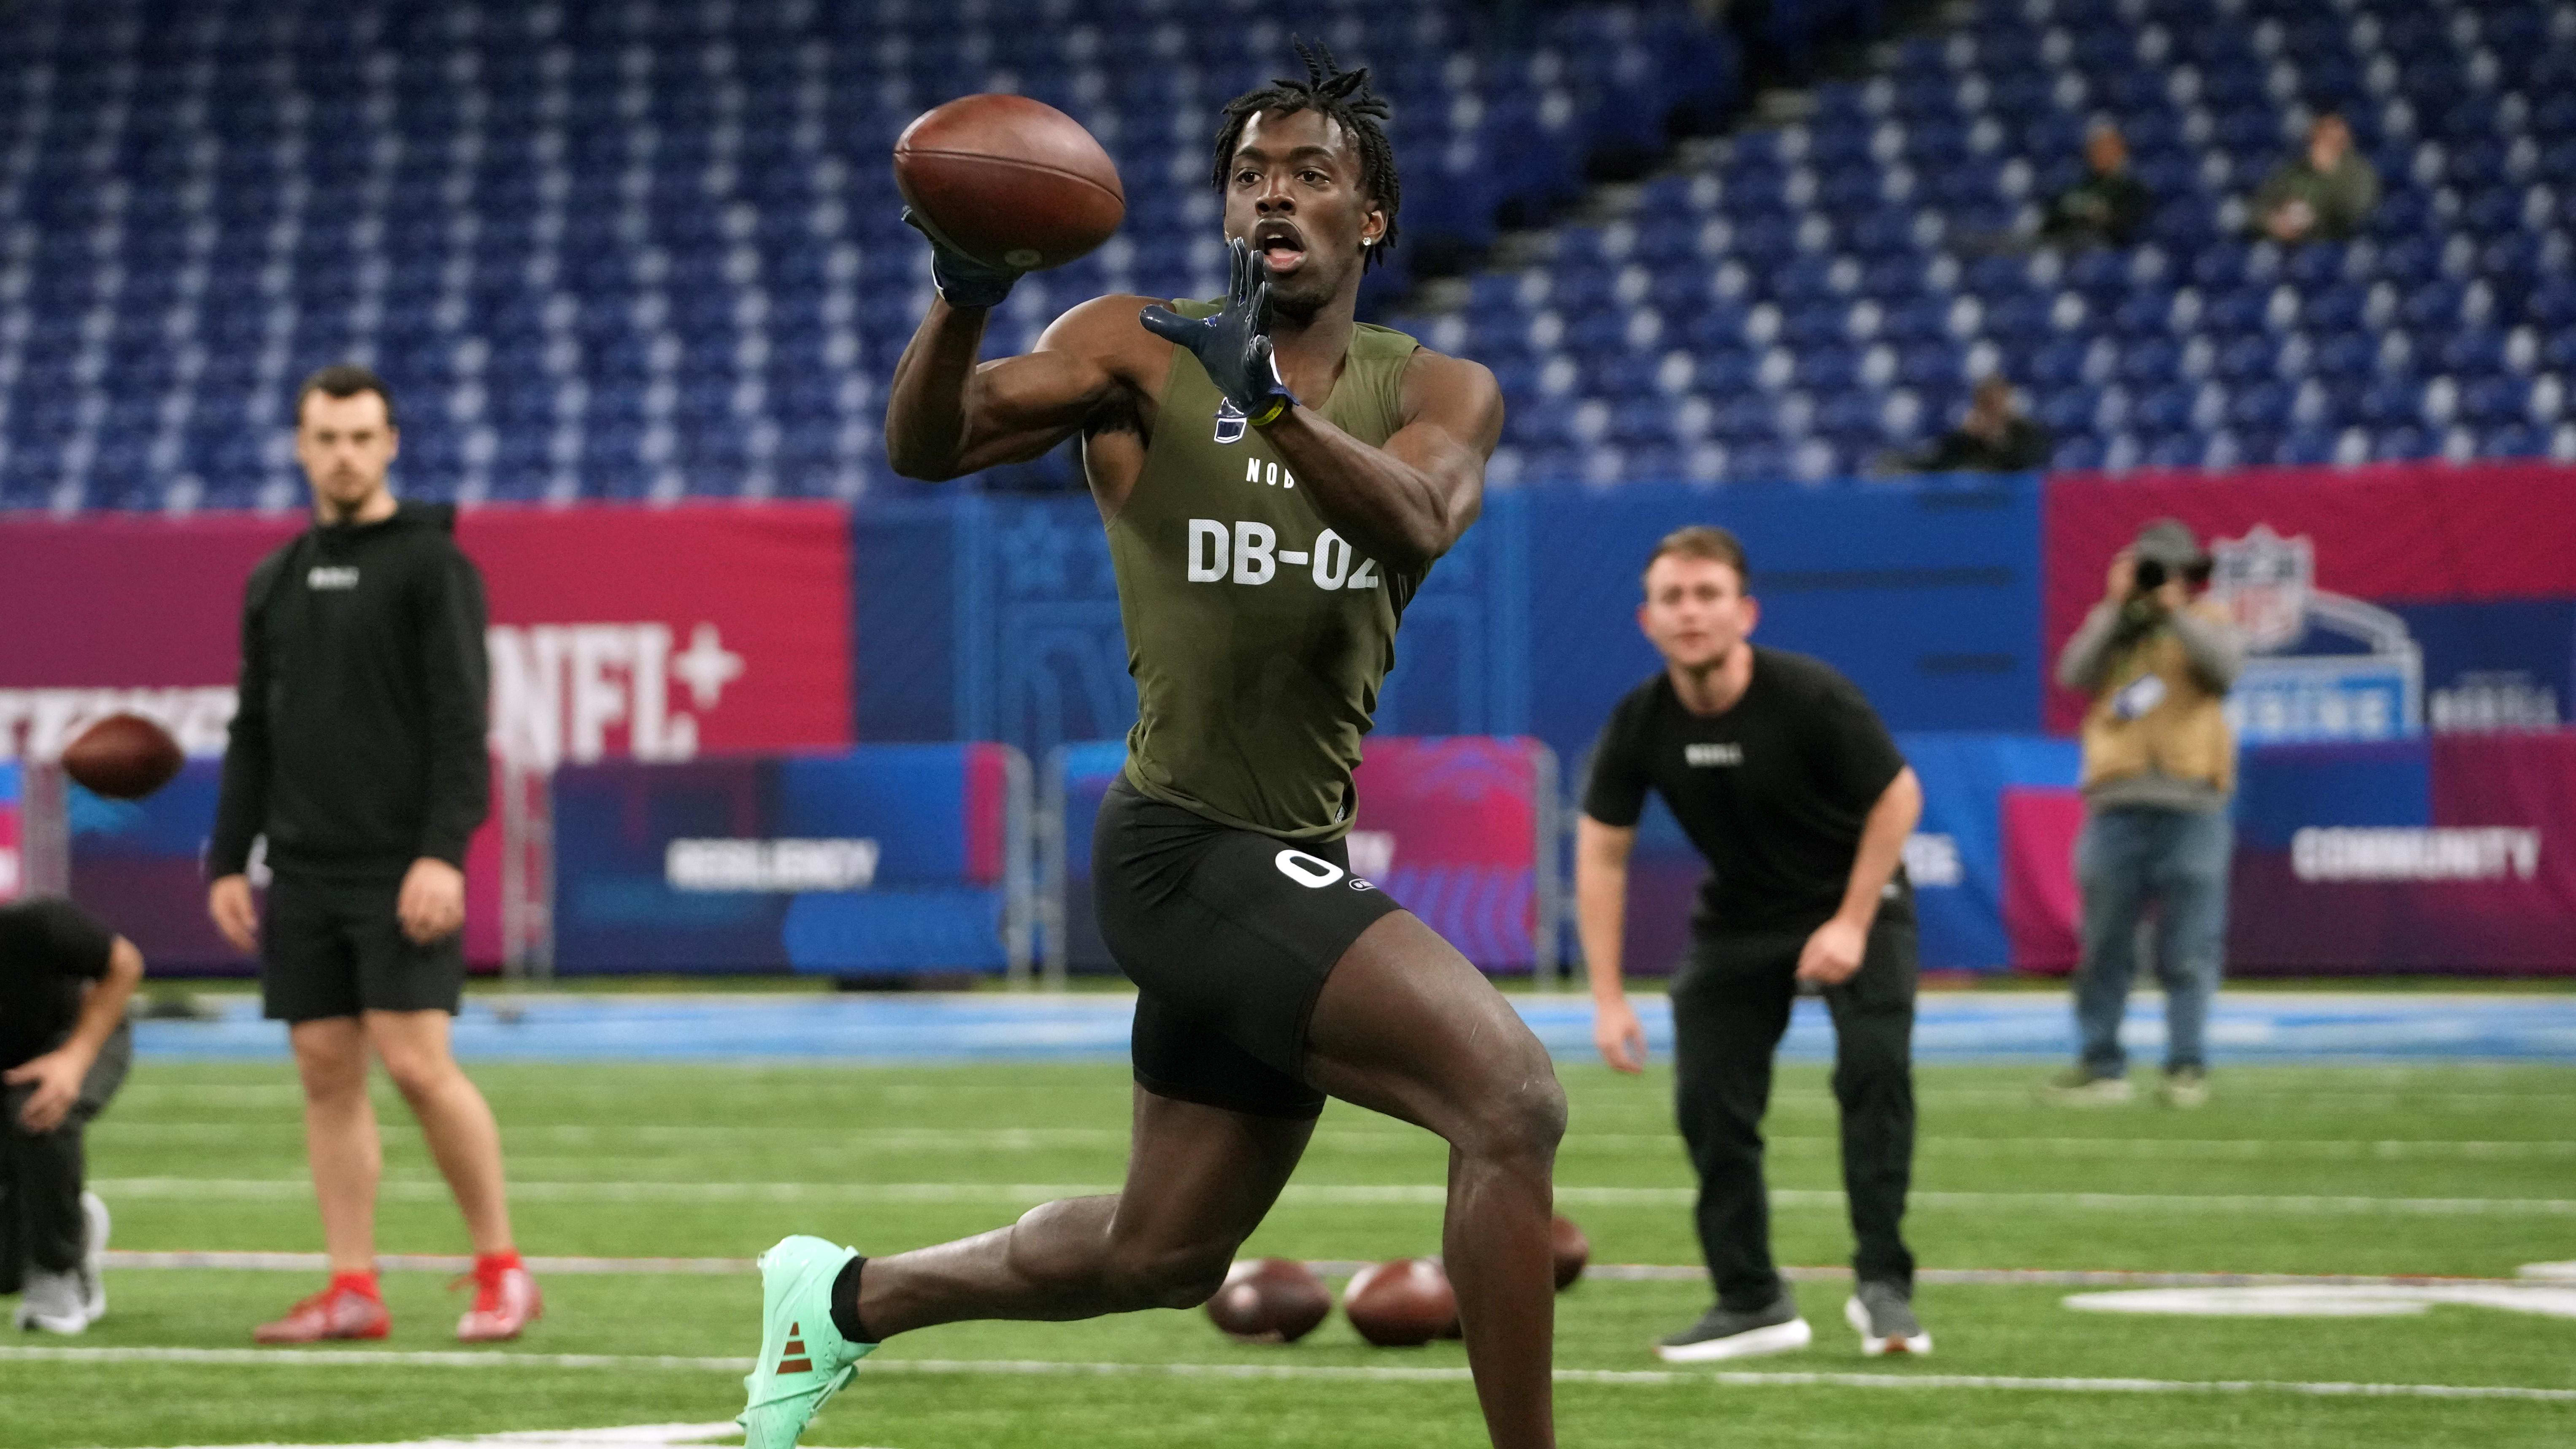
{"type": "Point", "coordinates": [2159, 764]}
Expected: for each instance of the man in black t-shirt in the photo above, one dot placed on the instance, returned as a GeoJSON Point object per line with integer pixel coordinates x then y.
{"type": "Point", "coordinates": [1785, 780]}
{"type": "Point", "coordinates": [64, 1048]}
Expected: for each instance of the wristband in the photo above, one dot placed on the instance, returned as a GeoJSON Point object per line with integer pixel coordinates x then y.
{"type": "Point", "coordinates": [1278, 408]}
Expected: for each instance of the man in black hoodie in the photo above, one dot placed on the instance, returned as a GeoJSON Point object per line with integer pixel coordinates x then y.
{"type": "Point", "coordinates": [357, 750]}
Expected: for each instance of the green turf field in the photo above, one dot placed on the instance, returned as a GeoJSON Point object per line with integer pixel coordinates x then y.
{"type": "Point", "coordinates": [2467, 1171]}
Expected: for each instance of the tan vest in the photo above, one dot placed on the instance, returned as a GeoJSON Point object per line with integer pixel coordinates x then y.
{"type": "Point", "coordinates": [2153, 713]}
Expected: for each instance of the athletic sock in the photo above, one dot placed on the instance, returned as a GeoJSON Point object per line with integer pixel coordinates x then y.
{"type": "Point", "coordinates": [493, 1265]}
{"type": "Point", "coordinates": [362, 1284]}
{"type": "Point", "coordinates": [845, 1302]}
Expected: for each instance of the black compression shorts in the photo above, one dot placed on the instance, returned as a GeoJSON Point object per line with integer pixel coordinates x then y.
{"type": "Point", "coordinates": [1228, 935]}
{"type": "Point", "coordinates": [336, 948]}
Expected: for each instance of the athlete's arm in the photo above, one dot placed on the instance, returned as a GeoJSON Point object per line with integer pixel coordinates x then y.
{"type": "Point", "coordinates": [1408, 502]}
{"type": "Point", "coordinates": [946, 415]}
{"type": "Point", "coordinates": [1832, 955]}
{"type": "Point", "coordinates": [1600, 916]}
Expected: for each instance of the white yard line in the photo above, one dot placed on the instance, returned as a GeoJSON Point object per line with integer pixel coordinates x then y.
{"type": "Point", "coordinates": [289, 1135]}
{"type": "Point", "coordinates": [1338, 1195]}
{"type": "Point", "coordinates": [1624, 1378]}
{"type": "Point", "coordinates": [1343, 1268]}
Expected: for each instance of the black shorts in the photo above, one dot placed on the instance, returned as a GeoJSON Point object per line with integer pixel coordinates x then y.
{"type": "Point", "coordinates": [1228, 935]}
{"type": "Point", "coordinates": [336, 948]}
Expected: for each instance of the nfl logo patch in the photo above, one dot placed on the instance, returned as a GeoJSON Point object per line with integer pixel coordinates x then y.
{"type": "Point", "coordinates": [2265, 581]}
{"type": "Point", "coordinates": [1230, 422]}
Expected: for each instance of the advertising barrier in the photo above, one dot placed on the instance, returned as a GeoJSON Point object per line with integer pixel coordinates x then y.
{"type": "Point", "coordinates": [888, 859]}
{"type": "Point", "coordinates": [2440, 855]}
{"type": "Point", "coordinates": [1462, 830]}
{"type": "Point", "coordinates": [2376, 602]}
{"type": "Point", "coordinates": [644, 633]}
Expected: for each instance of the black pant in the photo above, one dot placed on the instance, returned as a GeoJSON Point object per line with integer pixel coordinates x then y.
{"type": "Point", "coordinates": [1730, 1007]}
{"type": "Point", "coordinates": [41, 1173]}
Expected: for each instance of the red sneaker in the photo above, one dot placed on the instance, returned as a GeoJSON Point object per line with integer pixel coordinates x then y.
{"type": "Point", "coordinates": [505, 1301]}
{"type": "Point", "coordinates": [338, 1311]}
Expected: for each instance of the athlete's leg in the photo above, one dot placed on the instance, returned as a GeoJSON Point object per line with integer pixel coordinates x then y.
{"type": "Point", "coordinates": [1199, 1180]}
{"type": "Point", "coordinates": [1407, 1027]}
{"type": "Point", "coordinates": [340, 1137]}
{"type": "Point", "coordinates": [453, 1115]}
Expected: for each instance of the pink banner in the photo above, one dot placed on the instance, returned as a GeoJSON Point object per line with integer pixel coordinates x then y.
{"type": "Point", "coordinates": [1450, 826]}
{"type": "Point", "coordinates": [652, 633]}
{"type": "Point", "coordinates": [2042, 913]}
{"type": "Point", "coordinates": [2394, 534]}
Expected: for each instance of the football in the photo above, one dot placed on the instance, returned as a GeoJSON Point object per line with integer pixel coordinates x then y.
{"type": "Point", "coordinates": [1010, 181]}
{"type": "Point", "coordinates": [1270, 1300]}
{"type": "Point", "coordinates": [123, 757]}
{"type": "Point", "coordinates": [1401, 1304]}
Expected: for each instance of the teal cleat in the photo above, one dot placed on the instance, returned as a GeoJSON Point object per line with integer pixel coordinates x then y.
{"type": "Point", "coordinates": [803, 1358]}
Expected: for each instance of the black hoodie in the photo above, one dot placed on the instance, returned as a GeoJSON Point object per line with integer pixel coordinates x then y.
{"type": "Point", "coordinates": [358, 744]}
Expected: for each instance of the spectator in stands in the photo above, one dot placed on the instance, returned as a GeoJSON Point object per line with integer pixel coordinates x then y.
{"type": "Point", "coordinates": [2109, 207]}
{"type": "Point", "coordinates": [2322, 194]}
{"type": "Point", "coordinates": [1993, 438]}
{"type": "Point", "coordinates": [2159, 764]}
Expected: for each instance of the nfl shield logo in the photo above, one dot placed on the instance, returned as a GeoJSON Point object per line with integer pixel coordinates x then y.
{"type": "Point", "coordinates": [2265, 581]}
{"type": "Point", "coordinates": [1230, 422]}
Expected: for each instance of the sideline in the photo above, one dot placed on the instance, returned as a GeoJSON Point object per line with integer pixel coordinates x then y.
{"type": "Point", "coordinates": [1340, 1373]}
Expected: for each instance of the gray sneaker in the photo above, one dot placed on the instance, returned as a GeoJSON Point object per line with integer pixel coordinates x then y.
{"type": "Point", "coordinates": [93, 1265]}
{"type": "Point", "coordinates": [1883, 1317]}
{"type": "Point", "coordinates": [52, 1302]}
{"type": "Point", "coordinates": [1726, 1333]}
{"type": "Point", "coordinates": [2083, 1087]}
{"type": "Point", "coordinates": [2185, 1087]}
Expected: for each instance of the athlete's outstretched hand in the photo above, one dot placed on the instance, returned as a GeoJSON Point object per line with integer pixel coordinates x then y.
{"type": "Point", "coordinates": [1234, 345]}
{"type": "Point", "coordinates": [964, 281]}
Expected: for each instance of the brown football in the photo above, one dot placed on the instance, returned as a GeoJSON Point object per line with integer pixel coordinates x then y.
{"type": "Point", "coordinates": [1572, 1249]}
{"type": "Point", "coordinates": [1009, 181]}
{"type": "Point", "coordinates": [1270, 1300]}
{"type": "Point", "coordinates": [123, 757]}
{"type": "Point", "coordinates": [1402, 1303]}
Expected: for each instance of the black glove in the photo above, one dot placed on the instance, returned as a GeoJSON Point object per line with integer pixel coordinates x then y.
{"type": "Point", "coordinates": [1234, 345]}
{"type": "Point", "coordinates": [964, 281]}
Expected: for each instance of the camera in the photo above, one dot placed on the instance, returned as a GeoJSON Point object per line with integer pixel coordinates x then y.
{"type": "Point", "coordinates": [2151, 575]}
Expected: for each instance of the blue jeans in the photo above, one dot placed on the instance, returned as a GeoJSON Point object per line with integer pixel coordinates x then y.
{"type": "Point", "coordinates": [2128, 859]}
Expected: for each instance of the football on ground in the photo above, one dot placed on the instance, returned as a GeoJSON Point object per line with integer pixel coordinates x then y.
{"type": "Point", "coordinates": [1401, 1304]}
{"type": "Point", "coordinates": [1270, 1300]}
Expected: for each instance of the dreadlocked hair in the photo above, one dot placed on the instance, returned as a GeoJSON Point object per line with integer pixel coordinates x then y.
{"type": "Point", "coordinates": [1340, 96]}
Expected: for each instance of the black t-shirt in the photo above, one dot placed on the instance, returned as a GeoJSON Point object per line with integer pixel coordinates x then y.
{"type": "Point", "coordinates": [1773, 792]}
{"type": "Point", "coordinates": [49, 948]}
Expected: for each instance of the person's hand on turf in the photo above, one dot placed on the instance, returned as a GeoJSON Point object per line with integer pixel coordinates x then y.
{"type": "Point", "coordinates": [236, 918]}
{"type": "Point", "coordinates": [1619, 1035]}
{"type": "Point", "coordinates": [1234, 345]}
{"type": "Point", "coordinates": [432, 903]}
{"type": "Point", "coordinates": [1832, 955]}
{"type": "Point", "coordinates": [57, 1077]}
{"type": "Point", "coordinates": [962, 280]}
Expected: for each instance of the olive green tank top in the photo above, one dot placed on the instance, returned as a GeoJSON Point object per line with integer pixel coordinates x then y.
{"type": "Point", "coordinates": [1257, 636]}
